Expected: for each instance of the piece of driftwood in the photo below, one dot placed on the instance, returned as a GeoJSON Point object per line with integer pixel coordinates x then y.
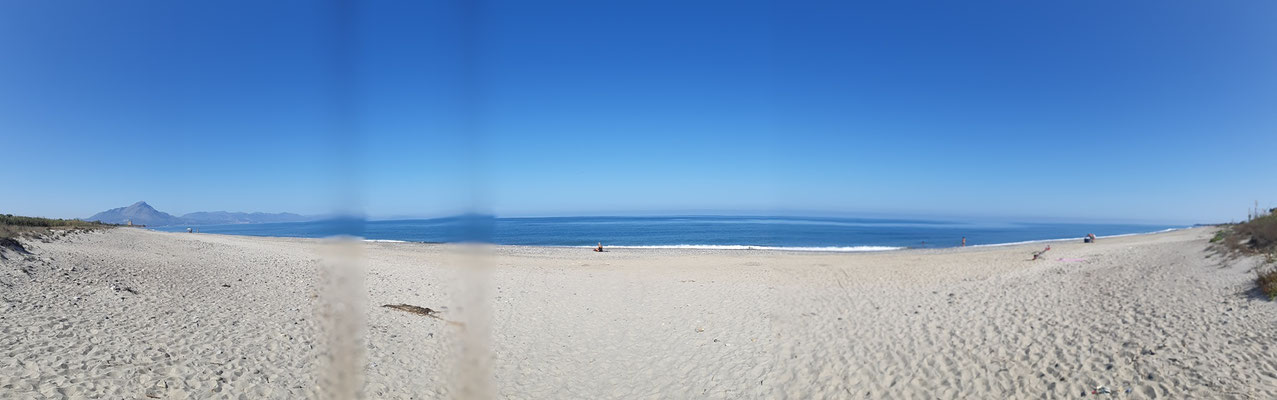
{"type": "Point", "coordinates": [413, 309]}
{"type": "Point", "coordinates": [422, 311]}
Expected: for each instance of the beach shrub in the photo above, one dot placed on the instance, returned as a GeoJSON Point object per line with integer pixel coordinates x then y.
{"type": "Point", "coordinates": [17, 220]}
{"type": "Point", "coordinates": [15, 225]}
{"type": "Point", "coordinates": [1256, 236]}
{"type": "Point", "coordinates": [1267, 281]}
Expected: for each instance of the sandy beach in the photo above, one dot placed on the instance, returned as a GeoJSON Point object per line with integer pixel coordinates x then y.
{"type": "Point", "coordinates": [131, 313]}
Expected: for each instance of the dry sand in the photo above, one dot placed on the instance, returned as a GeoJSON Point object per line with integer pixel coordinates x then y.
{"type": "Point", "coordinates": [130, 313]}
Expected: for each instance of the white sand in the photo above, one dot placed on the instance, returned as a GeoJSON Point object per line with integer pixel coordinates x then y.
{"type": "Point", "coordinates": [1159, 314]}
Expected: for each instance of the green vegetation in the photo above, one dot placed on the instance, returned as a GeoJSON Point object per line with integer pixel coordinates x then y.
{"type": "Point", "coordinates": [1219, 236]}
{"type": "Point", "coordinates": [17, 220]}
{"type": "Point", "coordinates": [12, 226]}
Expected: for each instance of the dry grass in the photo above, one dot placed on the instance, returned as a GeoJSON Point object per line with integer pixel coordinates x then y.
{"type": "Point", "coordinates": [1256, 237]}
{"type": "Point", "coordinates": [1267, 281]}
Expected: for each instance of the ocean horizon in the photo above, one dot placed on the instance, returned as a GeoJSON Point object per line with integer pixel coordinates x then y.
{"type": "Point", "coordinates": [691, 232]}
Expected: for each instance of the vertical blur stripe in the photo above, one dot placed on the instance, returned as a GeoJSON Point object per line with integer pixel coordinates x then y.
{"type": "Point", "coordinates": [342, 302]}
{"type": "Point", "coordinates": [472, 372]}
{"type": "Point", "coordinates": [472, 366]}
{"type": "Point", "coordinates": [343, 305]}
{"type": "Point", "coordinates": [342, 312]}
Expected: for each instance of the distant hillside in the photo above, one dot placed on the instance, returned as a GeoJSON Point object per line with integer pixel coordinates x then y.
{"type": "Point", "coordinates": [223, 217]}
{"type": "Point", "coordinates": [139, 213]}
{"type": "Point", "coordinates": [143, 214]}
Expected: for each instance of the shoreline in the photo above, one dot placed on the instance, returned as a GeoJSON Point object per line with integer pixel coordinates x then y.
{"type": "Point", "coordinates": [733, 247]}
{"type": "Point", "coordinates": [1097, 237]}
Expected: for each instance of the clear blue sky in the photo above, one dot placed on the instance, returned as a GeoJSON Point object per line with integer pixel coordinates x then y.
{"type": "Point", "coordinates": [1136, 111]}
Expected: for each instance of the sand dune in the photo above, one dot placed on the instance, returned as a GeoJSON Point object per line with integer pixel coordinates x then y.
{"type": "Point", "coordinates": [130, 313]}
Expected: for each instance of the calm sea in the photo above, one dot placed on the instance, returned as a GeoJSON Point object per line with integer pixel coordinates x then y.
{"type": "Point", "coordinates": [793, 233]}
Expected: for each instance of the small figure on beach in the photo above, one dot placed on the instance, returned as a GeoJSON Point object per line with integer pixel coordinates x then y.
{"type": "Point", "coordinates": [964, 241]}
{"type": "Point", "coordinates": [1038, 254]}
{"type": "Point", "coordinates": [600, 248]}
{"type": "Point", "coordinates": [1090, 238]}
{"type": "Point", "coordinates": [188, 230]}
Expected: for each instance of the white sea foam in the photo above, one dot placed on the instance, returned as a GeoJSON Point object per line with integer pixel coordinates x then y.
{"type": "Point", "coordinates": [746, 247]}
{"type": "Point", "coordinates": [1074, 238]}
{"type": "Point", "coordinates": [840, 249]}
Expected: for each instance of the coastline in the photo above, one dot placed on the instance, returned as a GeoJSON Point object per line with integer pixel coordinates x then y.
{"type": "Point", "coordinates": [798, 249]}
{"type": "Point", "coordinates": [200, 315]}
{"type": "Point", "coordinates": [1079, 238]}
{"type": "Point", "coordinates": [706, 232]}
{"type": "Point", "coordinates": [709, 248]}
{"type": "Point", "coordinates": [743, 247]}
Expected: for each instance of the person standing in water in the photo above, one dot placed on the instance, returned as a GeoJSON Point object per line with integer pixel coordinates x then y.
{"type": "Point", "coordinates": [964, 241]}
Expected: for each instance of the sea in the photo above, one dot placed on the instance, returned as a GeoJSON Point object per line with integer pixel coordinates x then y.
{"type": "Point", "coordinates": [693, 232]}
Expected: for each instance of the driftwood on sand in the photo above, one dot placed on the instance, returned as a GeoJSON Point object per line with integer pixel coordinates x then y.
{"type": "Point", "coordinates": [423, 311]}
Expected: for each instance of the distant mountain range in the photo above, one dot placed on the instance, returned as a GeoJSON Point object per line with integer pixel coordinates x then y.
{"type": "Point", "coordinates": [141, 213]}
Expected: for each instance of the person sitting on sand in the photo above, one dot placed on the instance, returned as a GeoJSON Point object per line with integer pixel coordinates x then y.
{"type": "Point", "coordinates": [600, 248]}
{"type": "Point", "coordinates": [1090, 238]}
{"type": "Point", "coordinates": [1038, 254]}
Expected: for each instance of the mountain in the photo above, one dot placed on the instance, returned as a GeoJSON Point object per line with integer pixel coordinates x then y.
{"type": "Point", "coordinates": [139, 213]}
{"type": "Point", "coordinates": [223, 217]}
{"type": "Point", "coordinates": [143, 214]}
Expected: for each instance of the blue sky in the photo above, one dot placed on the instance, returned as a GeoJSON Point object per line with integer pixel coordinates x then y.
{"type": "Point", "coordinates": [1131, 111]}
